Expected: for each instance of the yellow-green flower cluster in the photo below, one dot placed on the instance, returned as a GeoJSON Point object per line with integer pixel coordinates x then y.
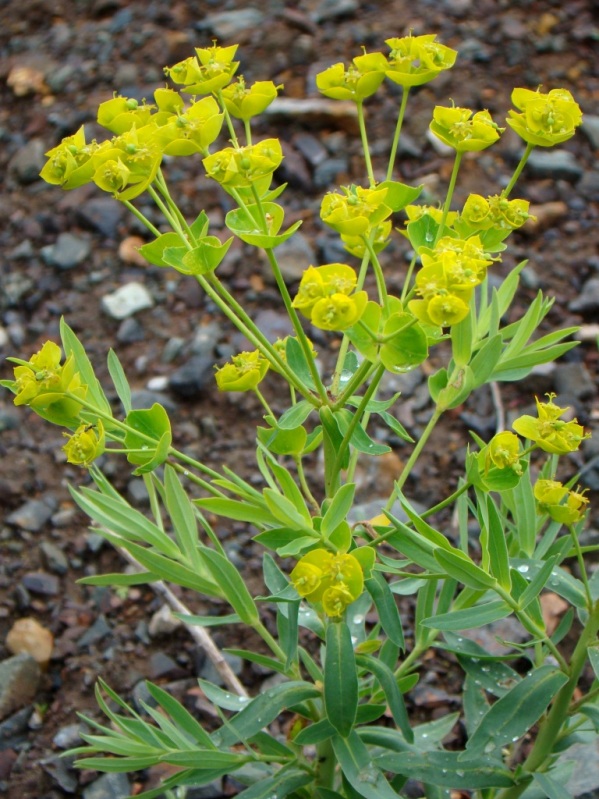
{"type": "Point", "coordinates": [190, 130]}
{"type": "Point", "coordinates": [43, 381]}
{"type": "Point", "coordinates": [497, 212]}
{"type": "Point", "coordinates": [327, 297]}
{"type": "Point", "coordinates": [334, 580]}
{"type": "Point", "coordinates": [504, 452]}
{"type": "Point", "coordinates": [239, 167]}
{"type": "Point", "coordinates": [415, 60]}
{"type": "Point", "coordinates": [244, 102]}
{"type": "Point", "coordinates": [548, 430]}
{"type": "Point", "coordinates": [243, 372]}
{"type": "Point", "coordinates": [562, 505]}
{"type": "Point", "coordinates": [355, 82]}
{"type": "Point", "coordinates": [210, 70]}
{"type": "Point", "coordinates": [544, 119]}
{"type": "Point", "coordinates": [463, 130]}
{"type": "Point", "coordinates": [70, 163]}
{"type": "Point", "coordinates": [356, 211]}
{"type": "Point", "coordinates": [86, 444]}
{"type": "Point", "coordinates": [450, 272]}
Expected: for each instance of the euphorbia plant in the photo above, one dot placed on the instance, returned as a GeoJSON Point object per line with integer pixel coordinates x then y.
{"type": "Point", "coordinates": [344, 680]}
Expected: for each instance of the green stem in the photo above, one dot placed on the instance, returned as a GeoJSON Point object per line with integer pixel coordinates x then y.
{"type": "Point", "coordinates": [163, 189]}
{"type": "Point", "coordinates": [553, 722]}
{"type": "Point", "coordinates": [299, 330]}
{"type": "Point", "coordinates": [326, 764]}
{"type": "Point", "coordinates": [518, 170]}
{"type": "Point", "coordinates": [265, 404]}
{"type": "Point", "coordinates": [365, 147]}
{"type": "Point", "coordinates": [400, 118]}
{"type": "Point", "coordinates": [581, 566]}
{"type": "Point", "coordinates": [450, 190]}
{"type": "Point", "coordinates": [228, 120]}
{"type": "Point", "coordinates": [358, 378]}
{"type": "Point", "coordinates": [143, 219]}
{"type": "Point", "coordinates": [378, 273]}
{"type": "Point", "coordinates": [248, 131]}
{"type": "Point", "coordinates": [357, 417]}
{"type": "Point", "coordinates": [408, 280]}
{"type": "Point", "coordinates": [304, 484]}
{"type": "Point", "coordinates": [399, 483]}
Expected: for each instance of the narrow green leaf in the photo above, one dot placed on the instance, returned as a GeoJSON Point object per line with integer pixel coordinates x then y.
{"type": "Point", "coordinates": [316, 733]}
{"type": "Point", "coordinates": [296, 415]}
{"type": "Point", "coordinates": [459, 566]}
{"type": "Point", "coordinates": [392, 693]}
{"type": "Point", "coordinates": [238, 511]}
{"type": "Point", "coordinates": [396, 426]}
{"type": "Point", "coordinates": [72, 346]}
{"type": "Point", "coordinates": [486, 359]}
{"type": "Point", "coordinates": [338, 509]}
{"type": "Point", "coordinates": [283, 783]}
{"type": "Point", "coordinates": [180, 715]}
{"type": "Point", "coordinates": [216, 758]}
{"type": "Point", "coordinates": [340, 678]}
{"type": "Point", "coordinates": [181, 512]}
{"type": "Point", "coordinates": [444, 769]}
{"type": "Point", "coordinates": [360, 438]}
{"type": "Point", "coordinates": [119, 379]}
{"type": "Point", "coordinates": [516, 712]}
{"type": "Point", "coordinates": [498, 553]}
{"type": "Point", "coordinates": [469, 618]}
{"type": "Point", "coordinates": [124, 580]}
{"type": "Point", "coordinates": [232, 585]}
{"type": "Point", "coordinates": [357, 767]}
{"type": "Point", "coordinates": [550, 787]}
{"type": "Point", "coordinates": [285, 511]}
{"type": "Point", "coordinates": [383, 598]}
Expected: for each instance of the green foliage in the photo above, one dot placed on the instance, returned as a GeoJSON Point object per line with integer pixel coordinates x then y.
{"type": "Point", "coordinates": [336, 635]}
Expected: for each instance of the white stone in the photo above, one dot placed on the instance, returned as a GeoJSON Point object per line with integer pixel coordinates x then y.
{"type": "Point", "coordinates": [127, 300]}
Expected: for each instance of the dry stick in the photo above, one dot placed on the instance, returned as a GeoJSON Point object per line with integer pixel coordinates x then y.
{"type": "Point", "coordinates": [498, 405]}
{"type": "Point", "coordinates": [199, 634]}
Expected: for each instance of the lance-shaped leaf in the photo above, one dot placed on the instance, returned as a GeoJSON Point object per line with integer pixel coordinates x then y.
{"type": "Point", "coordinates": [515, 712]}
{"type": "Point", "coordinates": [459, 566]}
{"type": "Point", "coordinates": [379, 590]}
{"type": "Point", "coordinates": [446, 770]}
{"type": "Point", "coordinates": [226, 576]}
{"type": "Point", "coordinates": [340, 678]}
{"type": "Point", "coordinates": [95, 393]}
{"type": "Point", "coordinates": [469, 618]}
{"type": "Point", "coordinates": [392, 693]}
{"type": "Point", "coordinates": [358, 768]}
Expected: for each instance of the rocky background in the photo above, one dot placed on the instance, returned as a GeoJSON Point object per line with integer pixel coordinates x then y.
{"type": "Point", "coordinates": [74, 254]}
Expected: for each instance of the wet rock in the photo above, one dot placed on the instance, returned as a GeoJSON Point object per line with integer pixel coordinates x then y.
{"type": "Point", "coordinates": [127, 300]}
{"type": "Point", "coordinates": [101, 214]}
{"type": "Point", "coordinates": [293, 256]}
{"type": "Point", "coordinates": [15, 728]}
{"type": "Point", "coordinates": [28, 161]}
{"type": "Point", "coordinates": [53, 558]}
{"type": "Point", "coordinates": [108, 786]}
{"type": "Point", "coordinates": [590, 127]}
{"type": "Point", "coordinates": [311, 148]}
{"type": "Point", "coordinates": [41, 582]}
{"type": "Point", "coordinates": [68, 251]}
{"type": "Point", "coordinates": [205, 339]}
{"type": "Point", "coordinates": [332, 9]}
{"type": "Point", "coordinates": [162, 666]}
{"type": "Point", "coordinates": [574, 379]}
{"type": "Point", "coordinates": [29, 636]}
{"type": "Point", "coordinates": [330, 172]}
{"type": "Point", "coordinates": [94, 634]}
{"type": "Point", "coordinates": [588, 299]}
{"type": "Point", "coordinates": [19, 681]}
{"type": "Point", "coordinates": [137, 491]}
{"type": "Point", "coordinates": [163, 622]}
{"type": "Point", "coordinates": [31, 516]}
{"type": "Point", "coordinates": [589, 185]}
{"type": "Point", "coordinates": [69, 736]}
{"type": "Point", "coordinates": [192, 377]}
{"type": "Point", "coordinates": [294, 169]}
{"type": "Point", "coordinates": [130, 331]}
{"type": "Point", "coordinates": [554, 164]}
{"type": "Point", "coordinates": [229, 24]}
{"type": "Point", "coordinates": [60, 773]}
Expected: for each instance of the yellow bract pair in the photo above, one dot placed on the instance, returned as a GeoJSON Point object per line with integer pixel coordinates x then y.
{"type": "Point", "coordinates": [243, 372]}
{"type": "Point", "coordinates": [544, 119]}
{"type": "Point", "coordinates": [495, 212]}
{"type": "Point", "coordinates": [562, 505]}
{"type": "Point", "coordinates": [86, 444]}
{"type": "Point", "coordinates": [549, 431]}
{"type": "Point", "coordinates": [334, 580]}
{"type": "Point", "coordinates": [325, 297]}
{"type": "Point", "coordinates": [463, 130]}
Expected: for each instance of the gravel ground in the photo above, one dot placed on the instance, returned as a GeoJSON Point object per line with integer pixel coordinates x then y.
{"type": "Point", "coordinates": [69, 253]}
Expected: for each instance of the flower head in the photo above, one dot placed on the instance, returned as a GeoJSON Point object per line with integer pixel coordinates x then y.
{"type": "Point", "coordinates": [326, 296]}
{"type": "Point", "coordinates": [544, 119]}
{"type": "Point", "coordinates": [239, 167]}
{"type": "Point", "coordinates": [70, 164]}
{"type": "Point", "coordinates": [208, 71]}
{"type": "Point", "coordinates": [549, 431]}
{"type": "Point", "coordinates": [334, 580]}
{"type": "Point", "coordinates": [85, 444]}
{"type": "Point", "coordinates": [356, 211]}
{"type": "Point", "coordinates": [463, 130]}
{"type": "Point", "coordinates": [562, 505]}
{"type": "Point", "coordinates": [191, 130]}
{"type": "Point", "coordinates": [243, 373]}
{"type": "Point", "coordinates": [123, 113]}
{"type": "Point", "coordinates": [355, 82]}
{"type": "Point", "coordinates": [245, 102]}
{"type": "Point", "coordinates": [415, 60]}
{"type": "Point", "coordinates": [504, 452]}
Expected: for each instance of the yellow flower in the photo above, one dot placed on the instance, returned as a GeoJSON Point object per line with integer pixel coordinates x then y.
{"type": "Point", "coordinates": [243, 373]}
{"type": "Point", "coordinates": [122, 113]}
{"type": "Point", "coordinates": [498, 212]}
{"type": "Point", "coordinates": [86, 444]}
{"type": "Point", "coordinates": [463, 130]}
{"type": "Point", "coordinates": [128, 164]}
{"type": "Point", "coordinates": [355, 212]}
{"type": "Point", "coordinates": [41, 383]}
{"type": "Point", "coordinates": [415, 60]}
{"type": "Point", "coordinates": [356, 245]}
{"type": "Point", "coordinates": [334, 580]}
{"type": "Point", "coordinates": [544, 119]}
{"type": "Point", "coordinates": [238, 167]}
{"type": "Point", "coordinates": [210, 70]}
{"type": "Point", "coordinates": [70, 164]}
{"type": "Point", "coordinates": [191, 131]}
{"type": "Point", "coordinates": [550, 496]}
{"type": "Point", "coordinates": [359, 80]}
{"type": "Point", "coordinates": [549, 431]}
{"type": "Point", "coordinates": [504, 451]}
{"type": "Point", "coordinates": [324, 297]}
{"type": "Point", "coordinates": [244, 103]}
